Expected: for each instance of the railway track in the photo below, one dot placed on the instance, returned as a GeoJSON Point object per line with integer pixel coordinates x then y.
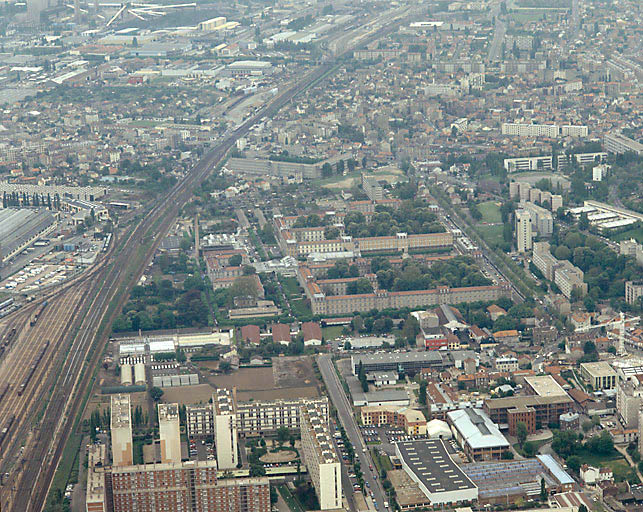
{"type": "Point", "coordinates": [110, 284]}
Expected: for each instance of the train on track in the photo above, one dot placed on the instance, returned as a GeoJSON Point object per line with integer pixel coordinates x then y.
{"type": "Point", "coordinates": [32, 369]}
{"type": "Point", "coordinates": [36, 316]}
{"type": "Point", "coordinates": [6, 341]}
{"type": "Point", "coordinates": [5, 428]}
{"type": "Point", "coordinates": [7, 306]}
{"type": "Point", "coordinates": [4, 390]}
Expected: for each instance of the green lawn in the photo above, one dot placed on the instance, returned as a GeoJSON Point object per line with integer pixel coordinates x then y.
{"type": "Point", "coordinates": [522, 17]}
{"type": "Point", "coordinates": [290, 500]}
{"type": "Point", "coordinates": [381, 461]}
{"type": "Point", "coordinates": [332, 332]}
{"type": "Point", "coordinates": [300, 308]}
{"type": "Point", "coordinates": [490, 212]}
{"type": "Point", "coordinates": [491, 234]}
{"type": "Point", "coordinates": [290, 286]}
{"type": "Point", "coordinates": [637, 234]}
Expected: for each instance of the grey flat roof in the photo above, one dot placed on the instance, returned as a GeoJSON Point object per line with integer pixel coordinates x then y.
{"type": "Point", "coordinates": [433, 466]}
{"type": "Point", "coordinates": [18, 226]}
{"type": "Point", "coordinates": [403, 357]}
{"type": "Point", "coordinates": [389, 395]}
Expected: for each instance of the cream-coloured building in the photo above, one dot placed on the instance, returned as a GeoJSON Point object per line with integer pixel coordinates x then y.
{"type": "Point", "coordinates": [411, 420]}
{"type": "Point", "coordinates": [256, 418]}
{"type": "Point", "coordinates": [321, 459]}
{"type": "Point", "coordinates": [225, 428]}
{"type": "Point", "coordinates": [121, 431]}
{"type": "Point", "coordinates": [523, 231]}
{"type": "Point", "coordinates": [629, 397]}
{"type": "Point", "coordinates": [600, 375]}
{"type": "Point", "coordinates": [169, 432]}
{"type": "Point", "coordinates": [95, 495]}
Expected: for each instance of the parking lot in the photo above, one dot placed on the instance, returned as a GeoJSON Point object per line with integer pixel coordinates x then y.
{"type": "Point", "coordinates": [386, 435]}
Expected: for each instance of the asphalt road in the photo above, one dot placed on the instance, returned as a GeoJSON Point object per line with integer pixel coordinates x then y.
{"type": "Point", "coordinates": [345, 414]}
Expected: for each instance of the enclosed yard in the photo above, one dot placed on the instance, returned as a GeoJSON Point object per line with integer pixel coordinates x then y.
{"type": "Point", "coordinates": [246, 379]}
{"type": "Point", "coordinates": [188, 394]}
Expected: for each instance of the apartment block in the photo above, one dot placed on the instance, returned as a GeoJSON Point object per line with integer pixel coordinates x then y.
{"type": "Point", "coordinates": [506, 364]}
{"type": "Point", "coordinates": [321, 459]}
{"type": "Point", "coordinates": [523, 231]}
{"type": "Point", "coordinates": [633, 290]}
{"type": "Point", "coordinates": [411, 421]}
{"type": "Point", "coordinates": [542, 220]}
{"type": "Point", "coordinates": [582, 159]}
{"type": "Point", "coordinates": [225, 428]}
{"type": "Point", "coordinates": [547, 408]}
{"type": "Point", "coordinates": [169, 432]}
{"type": "Point", "coordinates": [188, 486]}
{"type": "Point", "coordinates": [569, 278]}
{"type": "Point", "coordinates": [372, 188]}
{"type": "Point", "coordinates": [528, 163]}
{"type": "Point", "coordinates": [551, 131]}
{"type": "Point", "coordinates": [619, 144]}
{"type": "Point", "coordinates": [95, 497]}
{"type": "Point", "coordinates": [255, 418]}
{"type": "Point", "coordinates": [121, 431]}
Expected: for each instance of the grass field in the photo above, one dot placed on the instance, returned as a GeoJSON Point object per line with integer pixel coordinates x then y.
{"type": "Point", "coordinates": [300, 308]}
{"type": "Point", "coordinates": [522, 17]}
{"type": "Point", "coordinates": [490, 212]}
{"type": "Point", "coordinates": [290, 286]}
{"type": "Point", "coordinates": [332, 332]}
{"type": "Point", "coordinates": [637, 234]}
{"type": "Point", "coordinates": [491, 234]}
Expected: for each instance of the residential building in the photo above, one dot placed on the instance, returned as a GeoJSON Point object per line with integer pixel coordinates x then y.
{"type": "Point", "coordinates": [544, 260]}
{"type": "Point", "coordinates": [600, 375]}
{"type": "Point", "coordinates": [506, 364]}
{"type": "Point", "coordinates": [548, 408]}
{"type": "Point", "coordinates": [169, 432]}
{"type": "Point", "coordinates": [372, 188]}
{"type": "Point", "coordinates": [225, 428]}
{"type": "Point", "coordinates": [188, 486]}
{"type": "Point", "coordinates": [633, 290]}
{"type": "Point", "coordinates": [619, 144]}
{"type": "Point", "coordinates": [478, 436]}
{"type": "Point", "coordinates": [629, 398]}
{"type": "Point", "coordinates": [411, 421]}
{"type": "Point", "coordinates": [523, 231]}
{"type": "Point", "coordinates": [320, 458]}
{"type": "Point", "coordinates": [255, 418]}
{"type": "Point", "coordinates": [521, 414]}
{"type": "Point", "coordinates": [95, 496]}
{"type": "Point", "coordinates": [529, 163]}
{"type": "Point", "coordinates": [542, 220]}
{"type": "Point", "coordinates": [551, 131]}
{"type": "Point", "coordinates": [121, 431]}
{"type": "Point", "coordinates": [569, 278]}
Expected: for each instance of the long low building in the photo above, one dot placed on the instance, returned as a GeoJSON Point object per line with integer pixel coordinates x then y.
{"type": "Point", "coordinates": [20, 228]}
{"type": "Point", "coordinates": [409, 362]}
{"type": "Point", "coordinates": [254, 418]}
{"type": "Point", "coordinates": [547, 409]}
{"type": "Point", "coordinates": [430, 466]}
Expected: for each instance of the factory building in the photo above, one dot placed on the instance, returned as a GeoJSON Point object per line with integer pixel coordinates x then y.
{"type": "Point", "coordinates": [320, 458]}
{"type": "Point", "coordinates": [21, 228]}
{"type": "Point", "coordinates": [478, 436]}
{"type": "Point", "coordinates": [429, 465]}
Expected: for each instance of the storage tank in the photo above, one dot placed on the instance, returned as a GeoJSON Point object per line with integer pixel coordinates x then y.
{"type": "Point", "coordinates": [126, 375]}
{"type": "Point", "coordinates": [139, 374]}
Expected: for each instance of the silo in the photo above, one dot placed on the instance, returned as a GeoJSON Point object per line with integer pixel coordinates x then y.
{"type": "Point", "coordinates": [126, 375]}
{"type": "Point", "coordinates": [139, 374]}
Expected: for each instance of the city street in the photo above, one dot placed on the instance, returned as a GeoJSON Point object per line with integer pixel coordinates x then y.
{"type": "Point", "coordinates": [345, 414]}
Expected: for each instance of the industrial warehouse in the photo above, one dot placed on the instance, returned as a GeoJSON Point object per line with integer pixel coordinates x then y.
{"type": "Point", "coordinates": [21, 228]}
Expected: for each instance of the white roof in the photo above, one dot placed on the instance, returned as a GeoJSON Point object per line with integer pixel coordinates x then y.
{"type": "Point", "coordinates": [438, 428]}
{"type": "Point", "coordinates": [477, 429]}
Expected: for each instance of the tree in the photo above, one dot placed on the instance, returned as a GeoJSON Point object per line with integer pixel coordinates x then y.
{"type": "Point", "coordinates": [225, 367]}
{"type": "Point", "coordinates": [573, 463]}
{"type": "Point", "coordinates": [156, 393]}
{"type": "Point", "coordinates": [362, 285]}
{"type": "Point", "coordinates": [543, 490]}
{"type": "Point", "coordinates": [422, 394]}
{"type": "Point", "coordinates": [327, 170]}
{"type": "Point", "coordinates": [283, 434]}
{"type": "Point", "coordinates": [582, 508]}
{"type": "Point", "coordinates": [244, 286]}
{"type": "Point", "coordinates": [521, 433]}
{"type": "Point", "coordinates": [583, 222]}
{"type": "Point", "coordinates": [257, 470]}
{"type": "Point", "coordinates": [530, 449]}
{"type": "Point", "coordinates": [235, 260]}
